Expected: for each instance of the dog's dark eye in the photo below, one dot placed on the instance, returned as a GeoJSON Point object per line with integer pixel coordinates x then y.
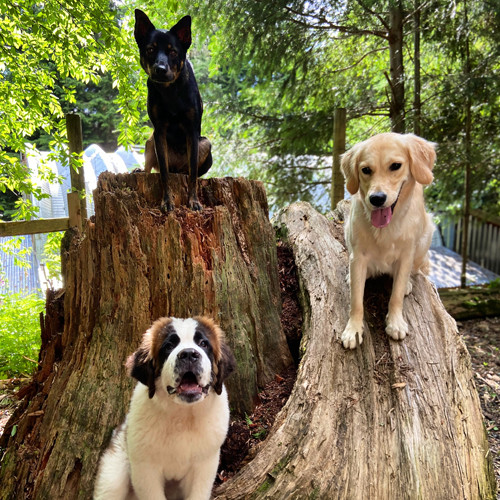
{"type": "Point", "coordinates": [395, 166]}
{"type": "Point", "coordinates": [150, 50]}
{"type": "Point", "coordinates": [173, 52]}
{"type": "Point", "coordinates": [171, 342]}
{"type": "Point", "coordinates": [203, 343]}
{"type": "Point", "coordinates": [366, 170]}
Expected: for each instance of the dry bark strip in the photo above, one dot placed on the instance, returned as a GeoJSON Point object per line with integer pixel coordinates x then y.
{"type": "Point", "coordinates": [388, 420]}
{"type": "Point", "coordinates": [132, 265]}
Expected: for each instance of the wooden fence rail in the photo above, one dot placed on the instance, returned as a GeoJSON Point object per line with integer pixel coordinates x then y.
{"type": "Point", "coordinates": [77, 208]}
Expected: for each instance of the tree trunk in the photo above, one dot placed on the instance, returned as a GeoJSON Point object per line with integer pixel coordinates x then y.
{"type": "Point", "coordinates": [132, 265]}
{"type": "Point", "coordinates": [468, 162]}
{"type": "Point", "coordinates": [417, 104]}
{"type": "Point", "coordinates": [397, 79]}
{"type": "Point", "coordinates": [388, 420]}
{"type": "Point", "coordinates": [338, 184]}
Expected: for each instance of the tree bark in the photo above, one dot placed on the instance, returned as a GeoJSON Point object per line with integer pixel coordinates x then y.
{"type": "Point", "coordinates": [132, 265]}
{"type": "Point", "coordinates": [468, 157]}
{"type": "Point", "coordinates": [339, 129]}
{"type": "Point", "coordinates": [417, 103]}
{"type": "Point", "coordinates": [398, 420]}
{"type": "Point", "coordinates": [397, 79]}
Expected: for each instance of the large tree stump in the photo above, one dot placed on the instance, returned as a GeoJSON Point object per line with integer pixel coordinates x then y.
{"type": "Point", "coordinates": [132, 265]}
{"type": "Point", "coordinates": [388, 420]}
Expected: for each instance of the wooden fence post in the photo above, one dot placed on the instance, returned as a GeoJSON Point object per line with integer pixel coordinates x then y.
{"type": "Point", "coordinates": [339, 127]}
{"type": "Point", "coordinates": [75, 139]}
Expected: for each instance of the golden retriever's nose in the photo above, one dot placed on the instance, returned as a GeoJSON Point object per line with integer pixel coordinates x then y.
{"type": "Point", "coordinates": [378, 199]}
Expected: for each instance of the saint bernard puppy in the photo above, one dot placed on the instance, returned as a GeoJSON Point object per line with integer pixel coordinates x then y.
{"type": "Point", "coordinates": [168, 446]}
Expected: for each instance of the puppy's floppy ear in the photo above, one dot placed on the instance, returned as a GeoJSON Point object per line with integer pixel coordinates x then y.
{"type": "Point", "coordinates": [350, 171]}
{"type": "Point", "coordinates": [422, 158]}
{"type": "Point", "coordinates": [143, 26]}
{"type": "Point", "coordinates": [140, 366]}
{"type": "Point", "coordinates": [225, 367]}
{"type": "Point", "coordinates": [182, 30]}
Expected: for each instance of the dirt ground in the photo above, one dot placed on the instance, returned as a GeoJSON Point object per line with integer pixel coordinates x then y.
{"type": "Point", "coordinates": [482, 337]}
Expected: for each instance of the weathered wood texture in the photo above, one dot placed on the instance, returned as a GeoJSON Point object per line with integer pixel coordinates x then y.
{"type": "Point", "coordinates": [132, 265]}
{"type": "Point", "coordinates": [388, 420]}
{"type": "Point", "coordinates": [472, 302]}
{"type": "Point", "coordinates": [17, 228]}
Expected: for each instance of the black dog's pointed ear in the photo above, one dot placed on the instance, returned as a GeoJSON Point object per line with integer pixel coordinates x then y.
{"type": "Point", "coordinates": [143, 26]}
{"type": "Point", "coordinates": [182, 30]}
{"type": "Point", "coordinates": [140, 367]}
{"type": "Point", "coordinates": [225, 367]}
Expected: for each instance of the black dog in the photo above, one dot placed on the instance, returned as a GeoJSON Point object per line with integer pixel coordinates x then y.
{"type": "Point", "coordinates": [174, 106]}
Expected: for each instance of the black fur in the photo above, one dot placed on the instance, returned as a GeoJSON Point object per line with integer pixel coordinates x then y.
{"type": "Point", "coordinates": [174, 105]}
{"type": "Point", "coordinates": [143, 370]}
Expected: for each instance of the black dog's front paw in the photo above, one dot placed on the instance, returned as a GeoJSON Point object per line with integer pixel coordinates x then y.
{"type": "Point", "coordinates": [195, 205]}
{"type": "Point", "coordinates": [166, 206]}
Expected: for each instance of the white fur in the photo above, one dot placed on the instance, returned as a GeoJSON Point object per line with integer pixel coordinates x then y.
{"type": "Point", "coordinates": [185, 329]}
{"type": "Point", "coordinates": [166, 449]}
{"type": "Point", "coordinates": [400, 248]}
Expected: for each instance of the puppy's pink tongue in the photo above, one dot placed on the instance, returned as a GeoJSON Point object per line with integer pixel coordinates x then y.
{"type": "Point", "coordinates": [188, 386]}
{"type": "Point", "coordinates": [381, 217]}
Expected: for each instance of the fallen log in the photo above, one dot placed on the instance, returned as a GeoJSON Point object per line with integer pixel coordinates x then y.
{"type": "Point", "coordinates": [388, 420]}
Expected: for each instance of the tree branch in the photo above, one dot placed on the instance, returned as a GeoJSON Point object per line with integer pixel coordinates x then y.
{"type": "Point", "coordinates": [359, 60]}
{"type": "Point", "coordinates": [327, 25]}
{"type": "Point", "coordinates": [378, 16]}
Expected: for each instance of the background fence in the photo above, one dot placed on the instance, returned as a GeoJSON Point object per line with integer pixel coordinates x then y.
{"type": "Point", "coordinates": [484, 238]}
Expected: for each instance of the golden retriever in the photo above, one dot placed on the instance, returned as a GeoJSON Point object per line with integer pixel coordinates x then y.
{"type": "Point", "coordinates": [388, 230]}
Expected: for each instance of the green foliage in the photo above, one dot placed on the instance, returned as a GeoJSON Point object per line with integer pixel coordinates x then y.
{"type": "Point", "coordinates": [13, 246]}
{"type": "Point", "coordinates": [495, 284]}
{"type": "Point", "coordinates": [41, 46]}
{"type": "Point", "coordinates": [270, 74]}
{"type": "Point", "coordinates": [285, 66]}
{"type": "Point", "coordinates": [52, 256]}
{"type": "Point", "coordinates": [95, 103]}
{"type": "Point", "coordinates": [19, 333]}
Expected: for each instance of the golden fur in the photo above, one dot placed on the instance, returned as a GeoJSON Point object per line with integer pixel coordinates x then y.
{"type": "Point", "coordinates": [393, 168]}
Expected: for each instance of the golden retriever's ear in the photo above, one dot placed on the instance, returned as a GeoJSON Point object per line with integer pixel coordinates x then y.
{"type": "Point", "coordinates": [422, 158]}
{"type": "Point", "coordinates": [350, 171]}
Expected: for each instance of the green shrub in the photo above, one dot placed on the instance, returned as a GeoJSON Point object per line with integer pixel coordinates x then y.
{"type": "Point", "coordinates": [19, 333]}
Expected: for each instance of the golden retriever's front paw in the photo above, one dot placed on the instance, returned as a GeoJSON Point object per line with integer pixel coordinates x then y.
{"type": "Point", "coordinates": [396, 326]}
{"type": "Point", "coordinates": [349, 334]}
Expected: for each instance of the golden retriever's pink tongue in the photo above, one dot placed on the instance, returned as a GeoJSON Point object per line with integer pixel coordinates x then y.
{"type": "Point", "coordinates": [381, 217]}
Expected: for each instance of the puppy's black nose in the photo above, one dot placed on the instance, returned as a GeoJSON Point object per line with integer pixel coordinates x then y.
{"type": "Point", "coordinates": [189, 355]}
{"type": "Point", "coordinates": [378, 199]}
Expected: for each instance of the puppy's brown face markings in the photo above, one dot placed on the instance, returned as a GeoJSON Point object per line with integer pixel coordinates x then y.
{"type": "Point", "coordinates": [180, 347]}
{"type": "Point", "coordinates": [224, 361]}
